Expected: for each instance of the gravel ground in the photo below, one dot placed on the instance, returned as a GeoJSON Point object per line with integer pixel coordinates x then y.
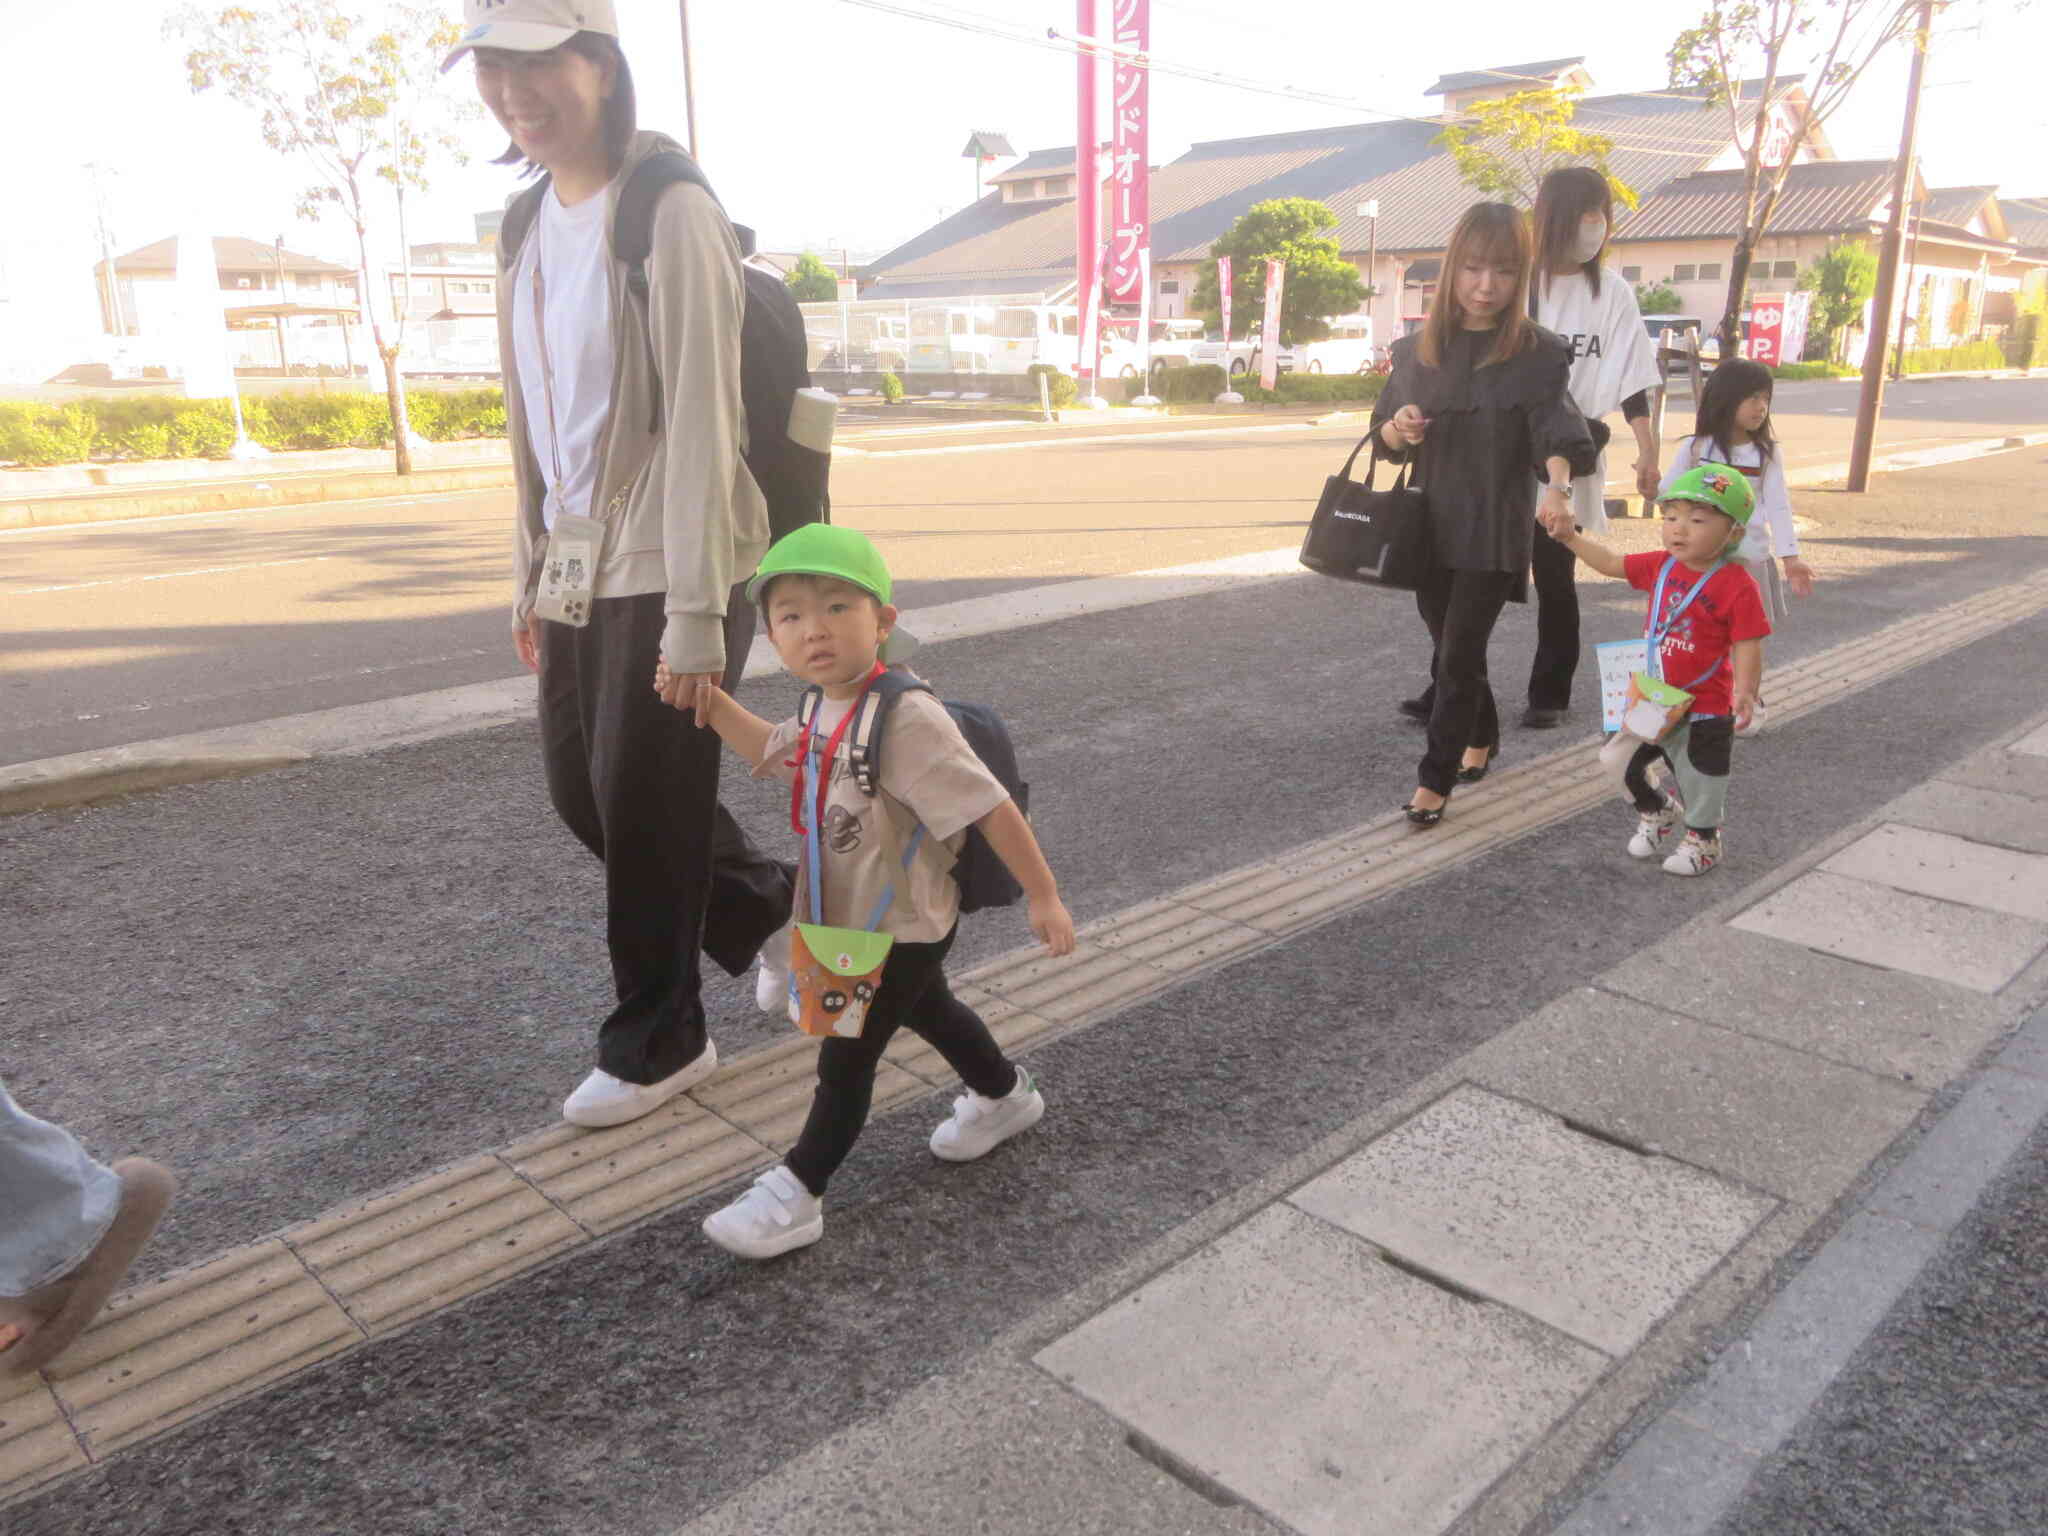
{"type": "Point", "coordinates": [1940, 1423]}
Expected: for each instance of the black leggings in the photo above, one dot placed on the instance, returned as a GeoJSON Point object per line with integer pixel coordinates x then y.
{"type": "Point", "coordinates": [914, 993]}
{"type": "Point", "coordinates": [1460, 608]}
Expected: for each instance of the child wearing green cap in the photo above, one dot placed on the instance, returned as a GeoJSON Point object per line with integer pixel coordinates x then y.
{"type": "Point", "coordinates": [1706, 628]}
{"type": "Point", "coordinates": [824, 593]}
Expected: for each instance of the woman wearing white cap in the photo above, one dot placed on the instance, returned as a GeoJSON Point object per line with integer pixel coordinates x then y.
{"type": "Point", "coordinates": [637, 517]}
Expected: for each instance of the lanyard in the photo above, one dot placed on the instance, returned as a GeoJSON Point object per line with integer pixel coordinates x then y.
{"type": "Point", "coordinates": [540, 336]}
{"type": "Point", "coordinates": [1660, 627]}
{"type": "Point", "coordinates": [813, 804]}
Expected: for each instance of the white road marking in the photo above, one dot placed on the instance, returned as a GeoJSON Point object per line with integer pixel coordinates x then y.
{"type": "Point", "coordinates": [204, 570]}
{"type": "Point", "coordinates": [1100, 437]}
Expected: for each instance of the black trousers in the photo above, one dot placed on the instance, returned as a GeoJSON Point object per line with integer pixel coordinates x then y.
{"type": "Point", "coordinates": [1557, 623]}
{"type": "Point", "coordinates": [913, 993]}
{"type": "Point", "coordinates": [637, 782]}
{"type": "Point", "coordinates": [1460, 608]}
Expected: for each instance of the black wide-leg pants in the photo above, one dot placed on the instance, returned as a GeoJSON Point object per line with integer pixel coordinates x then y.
{"type": "Point", "coordinates": [637, 782]}
{"type": "Point", "coordinates": [1460, 608]}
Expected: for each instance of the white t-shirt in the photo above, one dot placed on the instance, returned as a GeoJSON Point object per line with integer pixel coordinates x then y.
{"type": "Point", "coordinates": [567, 250]}
{"type": "Point", "coordinates": [1770, 526]}
{"type": "Point", "coordinates": [1612, 358]}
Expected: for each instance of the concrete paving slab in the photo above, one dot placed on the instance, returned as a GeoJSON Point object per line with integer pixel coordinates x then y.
{"type": "Point", "coordinates": [2008, 773]}
{"type": "Point", "coordinates": [1888, 1022]}
{"type": "Point", "coordinates": [2033, 744]}
{"type": "Point", "coordinates": [1294, 1366]}
{"type": "Point", "coordinates": [1982, 815]}
{"type": "Point", "coordinates": [390, 1260]}
{"type": "Point", "coordinates": [994, 1449]}
{"type": "Point", "coordinates": [194, 1340]}
{"type": "Point", "coordinates": [1948, 868]}
{"type": "Point", "coordinates": [1898, 930]}
{"type": "Point", "coordinates": [1508, 1201]}
{"type": "Point", "coordinates": [36, 1444]}
{"type": "Point", "coordinates": [1748, 1109]}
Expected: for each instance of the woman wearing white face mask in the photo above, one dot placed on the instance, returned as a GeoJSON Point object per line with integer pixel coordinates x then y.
{"type": "Point", "coordinates": [1614, 364]}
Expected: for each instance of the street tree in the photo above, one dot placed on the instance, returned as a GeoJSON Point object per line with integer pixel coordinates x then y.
{"type": "Point", "coordinates": [1841, 279]}
{"type": "Point", "coordinates": [811, 281]}
{"type": "Point", "coordinates": [1319, 281]}
{"type": "Point", "coordinates": [1827, 44]}
{"type": "Point", "coordinates": [1658, 299]}
{"type": "Point", "coordinates": [1505, 147]}
{"type": "Point", "coordinates": [353, 96]}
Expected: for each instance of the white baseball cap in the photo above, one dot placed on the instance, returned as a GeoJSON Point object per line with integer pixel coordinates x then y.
{"type": "Point", "coordinates": [529, 26]}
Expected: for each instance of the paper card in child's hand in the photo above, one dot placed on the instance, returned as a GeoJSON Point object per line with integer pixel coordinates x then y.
{"type": "Point", "coordinates": [1655, 709]}
{"type": "Point", "coordinates": [1619, 661]}
{"type": "Point", "coordinates": [834, 975]}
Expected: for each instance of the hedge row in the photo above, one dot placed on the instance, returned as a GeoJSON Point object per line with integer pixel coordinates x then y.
{"type": "Point", "coordinates": [1812, 371]}
{"type": "Point", "coordinates": [1317, 387]}
{"type": "Point", "coordinates": [1969, 357]}
{"type": "Point", "coordinates": [170, 427]}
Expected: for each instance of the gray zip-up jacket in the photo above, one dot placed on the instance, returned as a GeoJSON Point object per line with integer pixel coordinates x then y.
{"type": "Point", "coordinates": [685, 515]}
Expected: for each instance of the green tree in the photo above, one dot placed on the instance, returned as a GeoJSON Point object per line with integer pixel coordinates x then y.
{"type": "Point", "coordinates": [1737, 41]}
{"type": "Point", "coordinates": [1320, 282]}
{"type": "Point", "coordinates": [1506, 146]}
{"type": "Point", "coordinates": [811, 281]}
{"type": "Point", "coordinates": [1658, 299]}
{"type": "Point", "coordinates": [1841, 279]}
{"type": "Point", "coordinates": [355, 99]}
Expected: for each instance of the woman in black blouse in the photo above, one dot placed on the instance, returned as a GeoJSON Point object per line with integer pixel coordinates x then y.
{"type": "Point", "coordinates": [1478, 399]}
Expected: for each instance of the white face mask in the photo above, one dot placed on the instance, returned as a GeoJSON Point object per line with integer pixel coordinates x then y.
{"type": "Point", "coordinates": [1592, 239]}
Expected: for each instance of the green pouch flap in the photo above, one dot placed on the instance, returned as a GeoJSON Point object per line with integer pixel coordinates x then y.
{"type": "Point", "coordinates": [845, 951]}
{"type": "Point", "coordinates": [1661, 694]}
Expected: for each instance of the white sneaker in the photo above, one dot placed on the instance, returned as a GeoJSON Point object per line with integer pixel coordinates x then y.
{"type": "Point", "coordinates": [980, 1125]}
{"type": "Point", "coordinates": [775, 1215]}
{"type": "Point", "coordinates": [601, 1099]}
{"type": "Point", "coordinates": [1653, 832]}
{"type": "Point", "coordinates": [771, 983]}
{"type": "Point", "coordinates": [1695, 855]}
{"type": "Point", "coordinates": [1756, 722]}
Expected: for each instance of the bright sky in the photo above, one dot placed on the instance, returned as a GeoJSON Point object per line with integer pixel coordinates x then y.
{"type": "Point", "coordinates": [830, 121]}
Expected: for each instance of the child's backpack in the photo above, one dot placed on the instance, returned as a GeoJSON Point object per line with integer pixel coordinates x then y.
{"type": "Point", "coordinates": [773, 347]}
{"type": "Point", "coordinates": [983, 878]}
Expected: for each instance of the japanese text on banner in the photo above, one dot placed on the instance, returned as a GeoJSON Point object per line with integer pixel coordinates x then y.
{"type": "Point", "coordinates": [1130, 178]}
{"type": "Point", "coordinates": [1269, 327]}
{"type": "Point", "coordinates": [1223, 297]}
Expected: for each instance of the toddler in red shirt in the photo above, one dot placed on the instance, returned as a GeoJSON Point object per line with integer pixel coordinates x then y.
{"type": "Point", "coordinates": [1706, 630]}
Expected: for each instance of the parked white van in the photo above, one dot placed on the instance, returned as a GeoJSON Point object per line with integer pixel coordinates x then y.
{"type": "Point", "coordinates": [1347, 349]}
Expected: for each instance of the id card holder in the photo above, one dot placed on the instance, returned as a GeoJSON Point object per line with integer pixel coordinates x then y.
{"type": "Point", "coordinates": [568, 572]}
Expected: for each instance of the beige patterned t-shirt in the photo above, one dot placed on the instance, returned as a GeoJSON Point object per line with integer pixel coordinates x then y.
{"type": "Point", "coordinates": [930, 775]}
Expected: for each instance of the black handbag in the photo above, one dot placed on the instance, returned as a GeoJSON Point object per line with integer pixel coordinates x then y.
{"type": "Point", "coordinates": [1360, 534]}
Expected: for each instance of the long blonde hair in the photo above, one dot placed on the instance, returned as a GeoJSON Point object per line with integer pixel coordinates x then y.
{"type": "Point", "coordinates": [1489, 232]}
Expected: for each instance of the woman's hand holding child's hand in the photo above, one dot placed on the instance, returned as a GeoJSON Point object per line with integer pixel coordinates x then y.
{"type": "Point", "coordinates": [1800, 575]}
{"type": "Point", "coordinates": [684, 689]}
{"type": "Point", "coordinates": [1555, 514]}
{"type": "Point", "coordinates": [1052, 924]}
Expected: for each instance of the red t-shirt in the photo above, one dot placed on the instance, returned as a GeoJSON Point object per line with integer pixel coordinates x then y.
{"type": "Point", "coordinates": [1729, 608]}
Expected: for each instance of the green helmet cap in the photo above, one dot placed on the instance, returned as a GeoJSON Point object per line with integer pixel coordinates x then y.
{"type": "Point", "coordinates": [824, 549]}
{"type": "Point", "coordinates": [843, 554]}
{"type": "Point", "coordinates": [1719, 486]}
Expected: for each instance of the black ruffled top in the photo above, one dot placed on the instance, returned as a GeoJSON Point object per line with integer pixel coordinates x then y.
{"type": "Point", "coordinates": [1491, 427]}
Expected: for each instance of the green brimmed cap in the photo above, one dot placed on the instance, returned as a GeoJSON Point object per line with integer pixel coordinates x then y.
{"type": "Point", "coordinates": [1719, 486]}
{"type": "Point", "coordinates": [844, 554]}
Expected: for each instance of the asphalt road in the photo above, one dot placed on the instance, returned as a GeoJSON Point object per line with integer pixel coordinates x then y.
{"type": "Point", "coordinates": [122, 632]}
{"type": "Point", "coordinates": [318, 982]}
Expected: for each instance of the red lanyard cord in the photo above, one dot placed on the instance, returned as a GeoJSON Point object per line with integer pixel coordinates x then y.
{"type": "Point", "coordinates": [803, 743]}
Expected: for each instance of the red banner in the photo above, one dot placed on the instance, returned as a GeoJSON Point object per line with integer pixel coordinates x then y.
{"type": "Point", "coordinates": [1269, 327]}
{"type": "Point", "coordinates": [1130, 221]}
{"type": "Point", "coordinates": [1223, 296]}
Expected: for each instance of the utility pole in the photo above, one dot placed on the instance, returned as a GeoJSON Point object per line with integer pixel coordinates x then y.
{"type": "Point", "coordinates": [1872, 400]}
{"type": "Point", "coordinates": [689, 86]}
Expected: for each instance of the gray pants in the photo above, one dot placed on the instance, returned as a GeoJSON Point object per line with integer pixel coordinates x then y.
{"type": "Point", "coordinates": [56, 1202]}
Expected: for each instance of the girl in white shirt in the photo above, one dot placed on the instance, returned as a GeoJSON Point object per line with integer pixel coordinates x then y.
{"type": "Point", "coordinates": [1733, 427]}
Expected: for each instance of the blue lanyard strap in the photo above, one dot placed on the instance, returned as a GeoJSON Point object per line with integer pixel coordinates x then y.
{"type": "Point", "coordinates": [1660, 627]}
{"type": "Point", "coordinates": [814, 853]}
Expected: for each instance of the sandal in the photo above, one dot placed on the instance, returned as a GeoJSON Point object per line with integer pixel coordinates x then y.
{"type": "Point", "coordinates": [146, 1191]}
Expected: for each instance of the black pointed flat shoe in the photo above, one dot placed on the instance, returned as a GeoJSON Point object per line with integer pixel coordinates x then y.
{"type": "Point", "coordinates": [1419, 817]}
{"type": "Point", "coordinates": [1474, 775]}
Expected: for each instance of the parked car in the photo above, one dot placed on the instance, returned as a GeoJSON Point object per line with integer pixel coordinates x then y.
{"type": "Point", "coordinates": [1347, 349]}
{"type": "Point", "coordinates": [1233, 357]}
{"type": "Point", "coordinates": [1675, 330]}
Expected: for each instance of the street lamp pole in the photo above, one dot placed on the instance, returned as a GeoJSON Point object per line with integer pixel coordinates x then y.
{"type": "Point", "coordinates": [1872, 400]}
{"type": "Point", "coordinates": [689, 85]}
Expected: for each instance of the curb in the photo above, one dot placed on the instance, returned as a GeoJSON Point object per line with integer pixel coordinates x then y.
{"type": "Point", "coordinates": [284, 491]}
{"type": "Point", "coordinates": [59, 785]}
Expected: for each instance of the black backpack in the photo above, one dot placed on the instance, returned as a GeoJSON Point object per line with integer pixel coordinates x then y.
{"type": "Point", "coordinates": [773, 347]}
{"type": "Point", "coordinates": [984, 880]}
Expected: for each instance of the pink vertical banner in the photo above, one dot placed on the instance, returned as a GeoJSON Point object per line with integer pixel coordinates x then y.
{"type": "Point", "coordinates": [1087, 199]}
{"type": "Point", "coordinates": [1269, 328]}
{"type": "Point", "coordinates": [1130, 178]}
{"type": "Point", "coordinates": [1223, 298]}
